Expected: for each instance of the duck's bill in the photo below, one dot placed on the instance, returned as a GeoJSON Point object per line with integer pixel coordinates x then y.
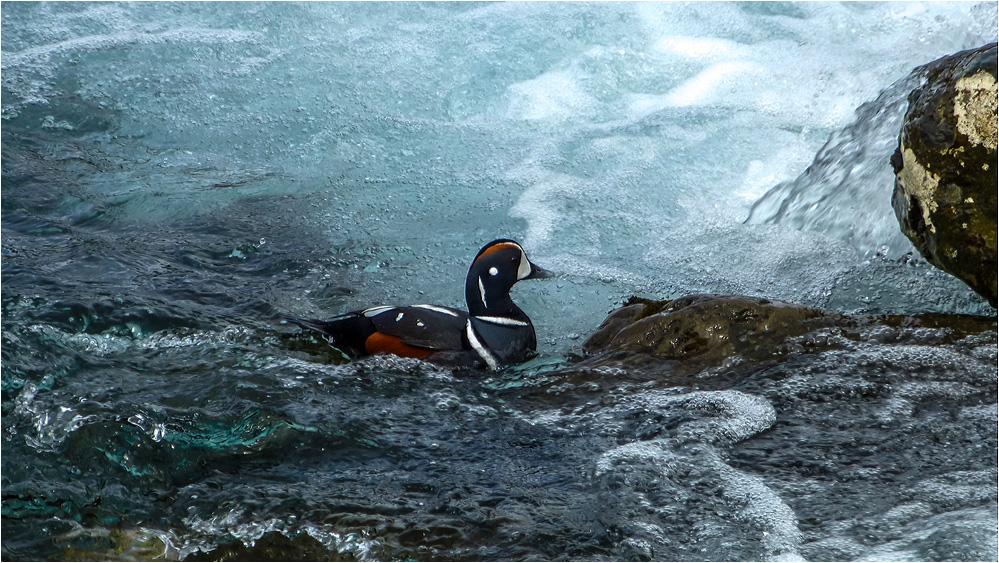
{"type": "Point", "coordinates": [539, 273]}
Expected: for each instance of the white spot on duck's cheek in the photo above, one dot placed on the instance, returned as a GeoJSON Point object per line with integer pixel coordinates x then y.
{"type": "Point", "coordinates": [399, 317]}
{"type": "Point", "coordinates": [525, 267]}
{"type": "Point", "coordinates": [493, 271]}
{"type": "Point", "coordinates": [482, 294]}
{"type": "Point", "coordinates": [419, 324]}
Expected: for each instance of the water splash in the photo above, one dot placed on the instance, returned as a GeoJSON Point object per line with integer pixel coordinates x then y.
{"type": "Point", "coordinates": [846, 191]}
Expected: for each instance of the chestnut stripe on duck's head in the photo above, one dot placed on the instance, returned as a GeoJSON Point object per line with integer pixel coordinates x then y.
{"type": "Point", "coordinates": [494, 271]}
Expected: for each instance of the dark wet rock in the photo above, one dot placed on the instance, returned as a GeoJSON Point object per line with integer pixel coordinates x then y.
{"type": "Point", "coordinates": [945, 168]}
{"type": "Point", "coordinates": [703, 327]}
{"type": "Point", "coordinates": [733, 332]}
{"type": "Point", "coordinates": [111, 544]}
{"type": "Point", "coordinates": [679, 338]}
{"type": "Point", "coordinates": [272, 546]}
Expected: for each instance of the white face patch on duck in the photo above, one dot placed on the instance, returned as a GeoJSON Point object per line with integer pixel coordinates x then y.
{"type": "Point", "coordinates": [525, 266]}
{"type": "Point", "coordinates": [482, 294]}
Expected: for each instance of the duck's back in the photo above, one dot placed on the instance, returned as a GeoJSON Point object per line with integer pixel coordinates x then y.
{"type": "Point", "coordinates": [415, 331]}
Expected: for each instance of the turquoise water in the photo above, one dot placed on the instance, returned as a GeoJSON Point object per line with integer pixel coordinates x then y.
{"type": "Point", "coordinates": [177, 175]}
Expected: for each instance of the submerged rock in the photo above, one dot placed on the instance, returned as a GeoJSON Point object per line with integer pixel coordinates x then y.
{"type": "Point", "coordinates": [272, 546]}
{"type": "Point", "coordinates": [946, 181]}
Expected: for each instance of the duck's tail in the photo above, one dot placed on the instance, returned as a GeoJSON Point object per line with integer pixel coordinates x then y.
{"type": "Point", "coordinates": [346, 332]}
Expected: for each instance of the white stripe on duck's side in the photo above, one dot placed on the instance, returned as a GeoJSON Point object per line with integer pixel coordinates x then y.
{"type": "Point", "coordinates": [437, 309]}
{"type": "Point", "coordinates": [502, 321]}
{"type": "Point", "coordinates": [373, 311]}
{"type": "Point", "coordinates": [342, 317]}
{"type": "Point", "coordinates": [481, 350]}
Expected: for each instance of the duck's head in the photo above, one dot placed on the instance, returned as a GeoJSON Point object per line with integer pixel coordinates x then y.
{"type": "Point", "coordinates": [496, 268]}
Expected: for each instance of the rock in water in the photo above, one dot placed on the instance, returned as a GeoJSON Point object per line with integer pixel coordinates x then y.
{"type": "Point", "coordinates": [704, 327]}
{"type": "Point", "coordinates": [698, 333]}
{"type": "Point", "coordinates": [945, 168]}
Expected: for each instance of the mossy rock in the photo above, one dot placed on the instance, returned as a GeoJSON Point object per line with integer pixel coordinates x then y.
{"type": "Point", "coordinates": [945, 168]}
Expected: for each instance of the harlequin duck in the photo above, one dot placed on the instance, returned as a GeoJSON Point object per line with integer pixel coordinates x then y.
{"type": "Point", "coordinates": [493, 332]}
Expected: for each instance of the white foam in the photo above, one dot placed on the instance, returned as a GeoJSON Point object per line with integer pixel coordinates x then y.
{"type": "Point", "coordinates": [741, 416]}
{"type": "Point", "coordinates": [26, 73]}
{"type": "Point", "coordinates": [765, 510]}
{"type": "Point", "coordinates": [357, 544]}
{"type": "Point", "coordinates": [707, 85]}
{"type": "Point", "coordinates": [235, 523]}
{"type": "Point", "coordinates": [720, 418]}
{"type": "Point", "coordinates": [654, 452]}
{"type": "Point", "coordinates": [102, 42]}
{"type": "Point", "coordinates": [700, 48]}
{"type": "Point", "coordinates": [539, 205]}
{"type": "Point", "coordinates": [554, 95]}
{"type": "Point", "coordinates": [974, 524]}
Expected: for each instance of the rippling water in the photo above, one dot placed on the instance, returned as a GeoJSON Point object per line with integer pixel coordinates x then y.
{"type": "Point", "coordinates": [176, 175]}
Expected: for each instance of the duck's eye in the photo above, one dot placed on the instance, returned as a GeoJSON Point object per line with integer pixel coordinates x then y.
{"type": "Point", "coordinates": [493, 271]}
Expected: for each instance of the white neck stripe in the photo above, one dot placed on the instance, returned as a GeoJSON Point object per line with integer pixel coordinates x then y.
{"type": "Point", "coordinates": [473, 339]}
{"type": "Point", "coordinates": [502, 321]}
